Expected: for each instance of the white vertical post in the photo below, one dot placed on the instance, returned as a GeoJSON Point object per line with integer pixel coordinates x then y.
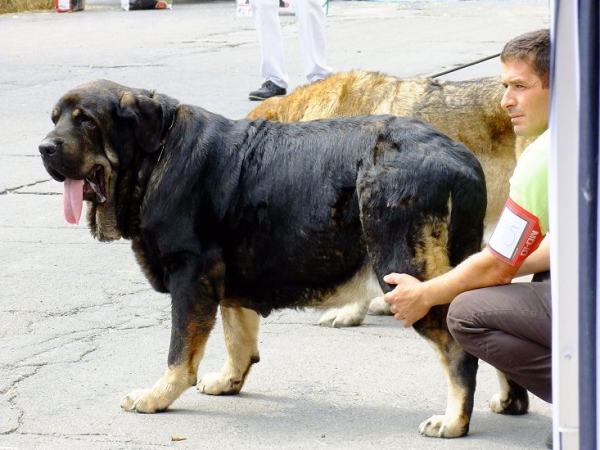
{"type": "Point", "coordinates": [563, 182]}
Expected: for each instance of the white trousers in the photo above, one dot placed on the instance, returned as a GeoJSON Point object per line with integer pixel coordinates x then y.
{"type": "Point", "coordinates": [311, 32]}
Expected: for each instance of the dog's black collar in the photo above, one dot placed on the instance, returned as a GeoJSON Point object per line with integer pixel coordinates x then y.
{"type": "Point", "coordinates": [164, 139]}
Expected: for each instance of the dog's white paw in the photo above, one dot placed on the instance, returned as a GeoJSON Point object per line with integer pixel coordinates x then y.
{"type": "Point", "coordinates": [143, 401]}
{"type": "Point", "coordinates": [350, 315]}
{"type": "Point", "coordinates": [379, 307]}
{"type": "Point", "coordinates": [498, 403]}
{"type": "Point", "coordinates": [212, 384]}
{"type": "Point", "coordinates": [439, 426]}
{"type": "Point", "coordinates": [164, 392]}
{"type": "Point", "coordinates": [217, 384]}
{"type": "Point", "coordinates": [501, 403]}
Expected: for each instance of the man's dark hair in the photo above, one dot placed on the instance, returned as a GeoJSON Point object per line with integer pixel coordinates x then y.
{"type": "Point", "coordinates": [532, 48]}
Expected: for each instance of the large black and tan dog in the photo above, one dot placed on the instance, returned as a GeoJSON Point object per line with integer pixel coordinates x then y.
{"type": "Point", "coordinates": [254, 215]}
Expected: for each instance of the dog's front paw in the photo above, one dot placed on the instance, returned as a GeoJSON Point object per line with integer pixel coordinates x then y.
{"type": "Point", "coordinates": [440, 426]}
{"type": "Point", "coordinates": [164, 392]}
{"type": "Point", "coordinates": [217, 384]}
{"type": "Point", "coordinates": [143, 401]}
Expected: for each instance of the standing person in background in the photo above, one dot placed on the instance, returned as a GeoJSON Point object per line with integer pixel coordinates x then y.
{"type": "Point", "coordinates": [311, 32]}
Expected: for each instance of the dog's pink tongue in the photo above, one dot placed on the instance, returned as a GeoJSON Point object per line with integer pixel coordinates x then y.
{"type": "Point", "coordinates": [73, 200]}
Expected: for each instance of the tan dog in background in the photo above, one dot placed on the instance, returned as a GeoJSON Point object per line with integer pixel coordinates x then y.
{"type": "Point", "coordinates": [467, 111]}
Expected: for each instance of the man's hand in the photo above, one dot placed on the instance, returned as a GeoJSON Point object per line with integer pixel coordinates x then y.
{"type": "Point", "coordinates": [411, 299]}
{"type": "Point", "coordinates": [406, 302]}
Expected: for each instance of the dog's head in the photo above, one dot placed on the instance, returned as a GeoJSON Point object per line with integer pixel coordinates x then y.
{"type": "Point", "coordinates": [100, 128]}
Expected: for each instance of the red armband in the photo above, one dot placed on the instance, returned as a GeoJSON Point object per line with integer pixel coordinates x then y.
{"type": "Point", "coordinates": [516, 236]}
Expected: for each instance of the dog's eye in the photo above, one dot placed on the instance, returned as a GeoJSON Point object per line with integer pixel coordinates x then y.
{"type": "Point", "coordinates": [84, 120]}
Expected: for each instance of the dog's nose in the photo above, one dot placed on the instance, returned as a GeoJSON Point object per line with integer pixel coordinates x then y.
{"type": "Point", "coordinates": [49, 147]}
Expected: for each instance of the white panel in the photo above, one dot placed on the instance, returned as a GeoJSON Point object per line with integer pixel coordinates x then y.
{"type": "Point", "coordinates": [564, 126]}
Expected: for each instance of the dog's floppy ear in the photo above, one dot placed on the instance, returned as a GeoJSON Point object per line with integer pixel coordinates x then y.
{"type": "Point", "coordinates": [147, 116]}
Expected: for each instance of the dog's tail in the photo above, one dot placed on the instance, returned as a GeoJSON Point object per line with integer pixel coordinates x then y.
{"type": "Point", "coordinates": [467, 210]}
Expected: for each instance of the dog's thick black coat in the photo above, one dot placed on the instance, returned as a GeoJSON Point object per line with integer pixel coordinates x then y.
{"type": "Point", "coordinates": [254, 215]}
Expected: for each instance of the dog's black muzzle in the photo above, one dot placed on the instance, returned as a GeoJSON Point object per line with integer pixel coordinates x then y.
{"type": "Point", "coordinates": [50, 149]}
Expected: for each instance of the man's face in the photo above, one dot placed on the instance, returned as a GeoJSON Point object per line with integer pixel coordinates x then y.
{"type": "Point", "coordinates": [526, 101]}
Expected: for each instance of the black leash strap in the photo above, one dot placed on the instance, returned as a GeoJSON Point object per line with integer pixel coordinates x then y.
{"type": "Point", "coordinates": [464, 66]}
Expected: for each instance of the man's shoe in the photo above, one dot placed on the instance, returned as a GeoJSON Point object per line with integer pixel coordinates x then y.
{"type": "Point", "coordinates": [267, 90]}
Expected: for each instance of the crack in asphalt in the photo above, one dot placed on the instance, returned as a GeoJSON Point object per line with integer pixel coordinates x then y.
{"type": "Point", "coordinates": [29, 368]}
{"type": "Point", "coordinates": [107, 438]}
{"type": "Point", "coordinates": [86, 337]}
{"type": "Point", "coordinates": [13, 190]}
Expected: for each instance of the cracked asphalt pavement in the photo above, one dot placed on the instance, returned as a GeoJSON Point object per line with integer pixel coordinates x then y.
{"type": "Point", "coordinates": [79, 325]}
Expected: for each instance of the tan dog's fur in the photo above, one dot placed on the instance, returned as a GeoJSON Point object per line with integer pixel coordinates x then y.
{"type": "Point", "coordinates": [467, 111]}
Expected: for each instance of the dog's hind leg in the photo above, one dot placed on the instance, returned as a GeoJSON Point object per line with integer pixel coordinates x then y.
{"type": "Point", "coordinates": [353, 314]}
{"type": "Point", "coordinates": [512, 398]}
{"type": "Point", "coordinates": [351, 300]}
{"type": "Point", "coordinates": [460, 369]}
{"type": "Point", "coordinates": [240, 328]}
{"type": "Point", "coordinates": [420, 219]}
{"type": "Point", "coordinates": [378, 307]}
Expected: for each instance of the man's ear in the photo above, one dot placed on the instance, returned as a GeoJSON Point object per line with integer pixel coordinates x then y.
{"type": "Point", "coordinates": [146, 116]}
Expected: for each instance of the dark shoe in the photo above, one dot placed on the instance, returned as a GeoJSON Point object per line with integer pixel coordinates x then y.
{"type": "Point", "coordinates": [267, 90]}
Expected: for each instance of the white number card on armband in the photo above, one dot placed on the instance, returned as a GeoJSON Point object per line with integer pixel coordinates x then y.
{"type": "Point", "coordinates": [517, 234]}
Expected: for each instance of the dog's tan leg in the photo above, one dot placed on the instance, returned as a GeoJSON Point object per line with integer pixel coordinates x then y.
{"type": "Point", "coordinates": [511, 399]}
{"type": "Point", "coordinates": [177, 378]}
{"type": "Point", "coordinates": [240, 327]}
{"type": "Point", "coordinates": [460, 369]}
{"type": "Point", "coordinates": [350, 315]}
{"type": "Point", "coordinates": [378, 307]}
{"type": "Point", "coordinates": [193, 316]}
{"type": "Point", "coordinates": [351, 300]}
{"type": "Point", "coordinates": [164, 392]}
{"type": "Point", "coordinates": [455, 421]}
